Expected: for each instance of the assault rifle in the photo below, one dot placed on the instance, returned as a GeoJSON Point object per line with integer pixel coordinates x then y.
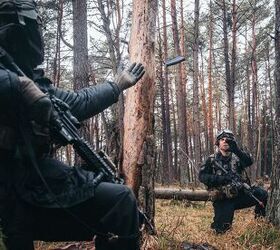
{"type": "Point", "coordinates": [64, 130]}
{"type": "Point", "coordinates": [238, 182]}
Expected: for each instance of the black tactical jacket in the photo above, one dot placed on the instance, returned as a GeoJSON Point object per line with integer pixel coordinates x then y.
{"type": "Point", "coordinates": [213, 177]}
{"type": "Point", "coordinates": [70, 185]}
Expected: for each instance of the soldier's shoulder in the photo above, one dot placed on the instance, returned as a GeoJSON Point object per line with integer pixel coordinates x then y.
{"type": "Point", "coordinates": [209, 160]}
{"type": "Point", "coordinates": [7, 75]}
{"type": "Point", "coordinates": [212, 156]}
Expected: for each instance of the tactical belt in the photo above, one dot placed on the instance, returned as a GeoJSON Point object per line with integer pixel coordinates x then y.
{"type": "Point", "coordinates": [7, 138]}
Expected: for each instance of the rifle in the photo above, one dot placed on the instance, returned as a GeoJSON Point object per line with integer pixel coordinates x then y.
{"type": "Point", "coordinates": [64, 130]}
{"type": "Point", "coordinates": [237, 182]}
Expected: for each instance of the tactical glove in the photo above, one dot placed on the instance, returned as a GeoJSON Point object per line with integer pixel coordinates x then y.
{"type": "Point", "coordinates": [129, 77]}
{"type": "Point", "coordinates": [233, 147]}
{"type": "Point", "coordinates": [40, 106]}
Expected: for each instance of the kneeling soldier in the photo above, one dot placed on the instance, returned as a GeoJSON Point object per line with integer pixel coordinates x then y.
{"type": "Point", "coordinates": [224, 172]}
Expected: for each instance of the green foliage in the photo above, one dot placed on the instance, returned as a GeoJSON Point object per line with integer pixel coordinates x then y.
{"type": "Point", "coordinates": [262, 235]}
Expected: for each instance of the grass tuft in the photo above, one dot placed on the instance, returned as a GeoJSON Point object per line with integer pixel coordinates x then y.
{"type": "Point", "coordinates": [261, 234]}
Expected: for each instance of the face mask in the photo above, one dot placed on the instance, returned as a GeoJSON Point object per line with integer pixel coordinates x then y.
{"type": "Point", "coordinates": [35, 42]}
{"type": "Point", "coordinates": [23, 43]}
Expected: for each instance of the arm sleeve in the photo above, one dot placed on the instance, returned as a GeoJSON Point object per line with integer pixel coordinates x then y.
{"type": "Point", "coordinates": [207, 177]}
{"type": "Point", "coordinates": [90, 101]}
{"type": "Point", "coordinates": [245, 158]}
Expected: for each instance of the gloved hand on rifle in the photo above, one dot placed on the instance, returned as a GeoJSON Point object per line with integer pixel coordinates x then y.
{"type": "Point", "coordinates": [40, 106]}
{"type": "Point", "coordinates": [129, 77]}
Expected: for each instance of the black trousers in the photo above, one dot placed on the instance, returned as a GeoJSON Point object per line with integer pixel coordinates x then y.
{"type": "Point", "coordinates": [224, 209]}
{"type": "Point", "coordinates": [113, 209]}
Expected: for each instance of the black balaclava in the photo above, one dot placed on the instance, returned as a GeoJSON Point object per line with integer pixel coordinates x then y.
{"type": "Point", "coordinates": [20, 33]}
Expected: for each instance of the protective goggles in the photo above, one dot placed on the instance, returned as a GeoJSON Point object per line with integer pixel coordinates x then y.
{"type": "Point", "coordinates": [225, 133]}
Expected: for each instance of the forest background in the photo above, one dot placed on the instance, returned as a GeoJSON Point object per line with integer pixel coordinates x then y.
{"type": "Point", "coordinates": [161, 130]}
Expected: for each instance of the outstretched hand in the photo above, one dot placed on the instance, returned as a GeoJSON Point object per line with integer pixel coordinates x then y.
{"type": "Point", "coordinates": [131, 76]}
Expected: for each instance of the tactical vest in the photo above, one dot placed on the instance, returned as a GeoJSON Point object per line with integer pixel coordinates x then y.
{"type": "Point", "coordinates": [234, 165]}
{"type": "Point", "coordinates": [227, 191]}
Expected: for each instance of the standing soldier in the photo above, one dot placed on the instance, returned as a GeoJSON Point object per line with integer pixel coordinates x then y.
{"type": "Point", "coordinates": [229, 196]}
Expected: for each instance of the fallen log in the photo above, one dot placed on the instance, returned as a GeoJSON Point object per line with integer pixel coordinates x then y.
{"type": "Point", "coordinates": [182, 194]}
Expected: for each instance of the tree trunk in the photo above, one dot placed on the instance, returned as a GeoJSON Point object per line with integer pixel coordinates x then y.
{"type": "Point", "coordinates": [165, 167]}
{"type": "Point", "coordinates": [138, 116]}
{"type": "Point", "coordinates": [184, 77]}
{"type": "Point", "coordinates": [229, 83]}
{"type": "Point", "coordinates": [231, 88]}
{"type": "Point", "coordinates": [204, 147]}
{"type": "Point", "coordinates": [255, 120]}
{"type": "Point", "coordinates": [56, 63]}
{"type": "Point", "coordinates": [176, 160]}
{"type": "Point", "coordinates": [210, 95]}
{"type": "Point", "coordinates": [167, 95]}
{"type": "Point", "coordinates": [196, 116]}
{"type": "Point", "coordinates": [80, 62]}
{"type": "Point", "coordinates": [274, 200]}
{"type": "Point", "coordinates": [181, 100]}
{"type": "Point", "coordinates": [81, 66]}
{"type": "Point", "coordinates": [146, 191]}
{"type": "Point", "coordinates": [182, 194]}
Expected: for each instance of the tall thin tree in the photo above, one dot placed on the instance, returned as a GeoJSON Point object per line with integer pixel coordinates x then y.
{"type": "Point", "coordinates": [138, 118]}
{"type": "Point", "coordinates": [274, 200]}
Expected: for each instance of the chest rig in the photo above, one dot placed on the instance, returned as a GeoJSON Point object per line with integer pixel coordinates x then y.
{"type": "Point", "coordinates": [232, 165]}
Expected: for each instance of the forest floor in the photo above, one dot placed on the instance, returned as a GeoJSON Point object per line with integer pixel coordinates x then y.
{"type": "Point", "coordinates": [186, 225]}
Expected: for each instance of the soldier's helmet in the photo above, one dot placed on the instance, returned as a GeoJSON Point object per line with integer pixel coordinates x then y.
{"type": "Point", "coordinates": [225, 133]}
{"type": "Point", "coordinates": [20, 31]}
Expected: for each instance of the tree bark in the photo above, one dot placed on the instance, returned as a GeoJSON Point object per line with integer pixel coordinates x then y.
{"type": "Point", "coordinates": [171, 166]}
{"type": "Point", "coordinates": [80, 62]}
{"type": "Point", "coordinates": [210, 91]}
{"type": "Point", "coordinates": [229, 82]}
{"type": "Point", "coordinates": [196, 116]}
{"type": "Point", "coordinates": [81, 66]}
{"type": "Point", "coordinates": [254, 109]}
{"type": "Point", "coordinates": [274, 199]}
{"type": "Point", "coordinates": [181, 101]}
{"type": "Point", "coordinates": [166, 168]}
{"type": "Point", "coordinates": [138, 118]}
